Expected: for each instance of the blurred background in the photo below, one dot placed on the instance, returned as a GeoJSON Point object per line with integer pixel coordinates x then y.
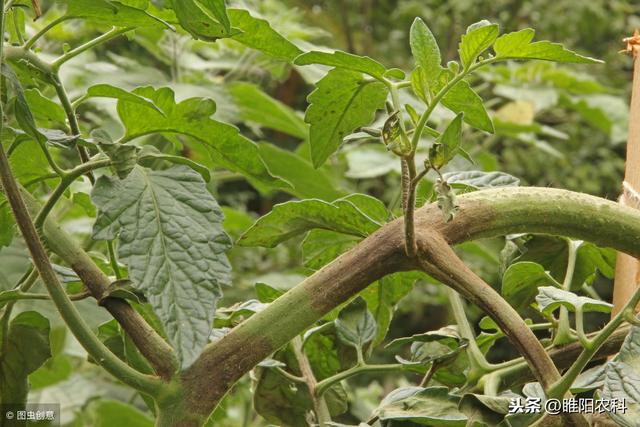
{"type": "Point", "coordinates": [556, 125]}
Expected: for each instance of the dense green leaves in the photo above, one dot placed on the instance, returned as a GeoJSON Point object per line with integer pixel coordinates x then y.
{"type": "Point", "coordinates": [221, 141]}
{"type": "Point", "coordinates": [342, 101]}
{"type": "Point", "coordinates": [26, 347]}
{"type": "Point", "coordinates": [479, 37]}
{"type": "Point", "coordinates": [293, 218]}
{"type": "Point", "coordinates": [518, 45]}
{"type": "Point", "coordinates": [348, 61]}
{"type": "Point", "coordinates": [171, 237]}
{"type": "Point", "coordinates": [425, 50]}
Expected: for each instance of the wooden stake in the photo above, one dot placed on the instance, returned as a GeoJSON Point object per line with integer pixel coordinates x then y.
{"type": "Point", "coordinates": [627, 267]}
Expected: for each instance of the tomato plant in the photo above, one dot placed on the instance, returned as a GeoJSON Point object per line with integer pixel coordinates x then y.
{"type": "Point", "coordinates": [116, 191]}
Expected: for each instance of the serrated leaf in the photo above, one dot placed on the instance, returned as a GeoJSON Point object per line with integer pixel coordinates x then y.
{"type": "Point", "coordinates": [355, 324]}
{"type": "Point", "coordinates": [340, 59]}
{"type": "Point", "coordinates": [550, 298]}
{"type": "Point", "coordinates": [462, 99]}
{"type": "Point", "coordinates": [290, 219]}
{"type": "Point", "coordinates": [26, 347]}
{"type": "Point", "coordinates": [517, 45]}
{"type": "Point", "coordinates": [192, 117]}
{"type": "Point", "coordinates": [446, 146]}
{"type": "Point", "coordinates": [521, 281]}
{"type": "Point", "coordinates": [432, 406]}
{"type": "Point", "coordinates": [109, 91]}
{"type": "Point", "coordinates": [478, 179]}
{"type": "Point", "coordinates": [219, 10]}
{"type": "Point", "coordinates": [342, 101]}
{"type": "Point", "coordinates": [425, 49]}
{"type": "Point", "coordinates": [170, 236]}
{"type": "Point", "coordinates": [258, 107]}
{"type": "Point", "coordinates": [258, 34]}
{"type": "Point", "coordinates": [477, 39]}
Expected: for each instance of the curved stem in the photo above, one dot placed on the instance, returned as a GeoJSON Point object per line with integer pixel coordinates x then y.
{"type": "Point", "coordinates": [29, 44]}
{"type": "Point", "coordinates": [113, 33]}
{"type": "Point", "coordinates": [67, 180]}
{"type": "Point", "coordinates": [563, 333]}
{"type": "Point", "coordinates": [319, 404]}
{"type": "Point", "coordinates": [325, 384]}
{"type": "Point", "coordinates": [482, 214]}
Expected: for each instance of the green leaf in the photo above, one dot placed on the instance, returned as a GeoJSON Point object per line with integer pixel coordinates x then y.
{"type": "Point", "coordinates": [521, 281]}
{"type": "Point", "coordinates": [462, 99]}
{"type": "Point", "coordinates": [432, 406]}
{"type": "Point", "coordinates": [171, 237]}
{"type": "Point", "coordinates": [45, 112]}
{"type": "Point", "coordinates": [517, 45]}
{"type": "Point", "coordinates": [342, 101]}
{"type": "Point", "coordinates": [124, 157]}
{"type": "Point", "coordinates": [111, 413]}
{"type": "Point", "coordinates": [355, 324]}
{"type": "Point", "coordinates": [484, 410]}
{"type": "Point", "coordinates": [290, 219]}
{"type": "Point", "coordinates": [383, 296]}
{"type": "Point", "coordinates": [109, 91]}
{"type": "Point", "coordinates": [112, 13]}
{"type": "Point", "coordinates": [477, 180]}
{"type": "Point", "coordinates": [219, 10]}
{"type": "Point", "coordinates": [258, 107]}
{"type": "Point", "coordinates": [26, 349]}
{"type": "Point", "coordinates": [550, 298]}
{"type": "Point", "coordinates": [621, 379]}
{"type": "Point", "coordinates": [307, 182]}
{"type": "Point", "coordinates": [223, 142]}
{"type": "Point", "coordinates": [197, 17]}
{"type": "Point", "coordinates": [425, 50]}
{"type": "Point", "coordinates": [479, 37]}
{"type": "Point", "coordinates": [7, 223]}
{"type": "Point", "coordinates": [258, 34]}
{"type": "Point", "coordinates": [446, 146]}
{"type": "Point", "coordinates": [320, 247]}
{"type": "Point", "coordinates": [340, 59]}
{"type": "Point", "coordinates": [151, 153]}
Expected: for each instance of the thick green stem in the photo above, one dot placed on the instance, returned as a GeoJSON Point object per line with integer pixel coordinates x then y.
{"type": "Point", "coordinates": [482, 214]}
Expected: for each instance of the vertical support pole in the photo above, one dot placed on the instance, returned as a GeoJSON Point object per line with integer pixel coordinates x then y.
{"type": "Point", "coordinates": [627, 267]}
